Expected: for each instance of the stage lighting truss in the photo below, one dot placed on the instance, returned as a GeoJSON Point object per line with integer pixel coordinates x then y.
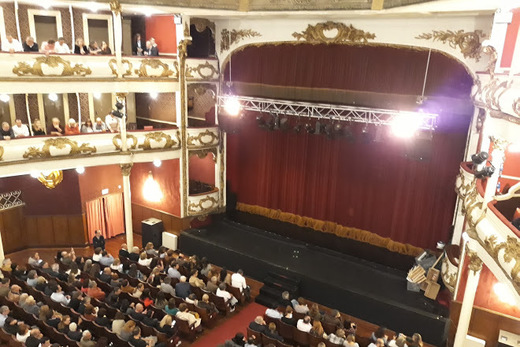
{"type": "Point", "coordinates": [331, 112]}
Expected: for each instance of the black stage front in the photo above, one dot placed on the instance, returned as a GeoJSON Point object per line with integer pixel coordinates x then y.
{"type": "Point", "coordinates": [369, 291]}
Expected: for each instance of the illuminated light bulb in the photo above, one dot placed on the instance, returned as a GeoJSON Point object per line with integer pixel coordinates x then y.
{"type": "Point", "coordinates": [80, 169]}
{"type": "Point", "coordinates": [46, 4]}
{"type": "Point", "coordinates": [154, 95]}
{"type": "Point", "coordinates": [35, 174]}
{"type": "Point", "coordinates": [97, 95]}
{"type": "Point", "coordinates": [232, 106]}
{"type": "Point", "coordinates": [53, 97]}
{"type": "Point", "coordinates": [157, 163]}
{"type": "Point", "coordinates": [504, 294]}
{"type": "Point", "coordinates": [406, 125]}
{"type": "Point", "coordinates": [4, 97]}
{"type": "Point", "coordinates": [151, 190]}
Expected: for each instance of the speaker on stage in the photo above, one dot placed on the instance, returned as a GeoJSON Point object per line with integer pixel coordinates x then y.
{"type": "Point", "coordinates": [152, 232]}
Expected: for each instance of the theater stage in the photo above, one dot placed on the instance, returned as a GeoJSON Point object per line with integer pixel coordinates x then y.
{"type": "Point", "coordinates": [357, 287]}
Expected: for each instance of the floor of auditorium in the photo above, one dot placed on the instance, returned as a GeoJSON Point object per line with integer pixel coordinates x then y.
{"type": "Point", "coordinates": [223, 330]}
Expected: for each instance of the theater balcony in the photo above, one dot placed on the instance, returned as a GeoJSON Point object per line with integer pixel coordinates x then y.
{"type": "Point", "coordinates": [79, 73]}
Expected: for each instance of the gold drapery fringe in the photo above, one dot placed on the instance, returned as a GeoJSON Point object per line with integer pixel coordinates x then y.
{"type": "Point", "coordinates": [332, 228]}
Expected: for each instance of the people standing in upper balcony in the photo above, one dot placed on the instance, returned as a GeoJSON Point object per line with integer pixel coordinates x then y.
{"type": "Point", "coordinates": [150, 49]}
{"type": "Point", "coordinates": [112, 123]}
{"type": "Point", "coordinates": [105, 50]}
{"type": "Point", "coordinates": [72, 128]}
{"type": "Point", "coordinates": [37, 129]}
{"type": "Point", "coordinates": [11, 44]}
{"type": "Point", "coordinates": [61, 47]}
{"type": "Point", "coordinates": [99, 127]}
{"type": "Point", "coordinates": [87, 127]}
{"type": "Point", "coordinates": [6, 132]}
{"type": "Point", "coordinates": [94, 48]}
{"type": "Point", "coordinates": [137, 45]}
{"type": "Point", "coordinates": [19, 129]}
{"type": "Point", "coordinates": [55, 129]}
{"type": "Point", "coordinates": [48, 46]}
{"type": "Point", "coordinates": [29, 45]}
{"type": "Point", "coordinates": [80, 47]}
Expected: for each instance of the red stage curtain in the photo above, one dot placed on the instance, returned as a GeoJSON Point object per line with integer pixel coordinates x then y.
{"type": "Point", "coordinates": [114, 215]}
{"type": "Point", "coordinates": [368, 186]}
{"type": "Point", "coordinates": [95, 217]}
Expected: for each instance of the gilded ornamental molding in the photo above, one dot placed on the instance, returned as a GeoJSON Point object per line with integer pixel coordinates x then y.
{"type": "Point", "coordinates": [126, 169]}
{"type": "Point", "coordinates": [202, 139]}
{"type": "Point", "coordinates": [203, 206]}
{"type": "Point", "coordinates": [58, 143]}
{"type": "Point", "coordinates": [516, 106]}
{"type": "Point", "coordinates": [52, 179]}
{"type": "Point", "coordinates": [230, 37]}
{"type": "Point", "coordinates": [206, 71]}
{"type": "Point", "coordinates": [475, 263]}
{"type": "Point", "coordinates": [115, 6]}
{"type": "Point", "coordinates": [499, 143]}
{"type": "Point", "coordinates": [43, 67]}
{"type": "Point", "coordinates": [469, 42]}
{"type": "Point", "coordinates": [343, 33]}
{"type": "Point", "coordinates": [116, 140]}
{"type": "Point", "coordinates": [202, 23]}
{"type": "Point", "coordinates": [159, 136]}
{"type": "Point", "coordinates": [112, 63]}
{"type": "Point", "coordinates": [449, 278]}
{"type": "Point", "coordinates": [202, 153]}
{"type": "Point", "coordinates": [154, 64]}
{"type": "Point", "coordinates": [201, 88]}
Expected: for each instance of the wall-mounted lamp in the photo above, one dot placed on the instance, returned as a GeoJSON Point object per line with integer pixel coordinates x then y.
{"type": "Point", "coordinates": [151, 190]}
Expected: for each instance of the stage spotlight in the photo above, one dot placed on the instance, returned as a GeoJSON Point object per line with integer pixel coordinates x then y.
{"type": "Point", "coordinates": [328, 130]}
{"type": "Point", "coordinates": [318, 127]}
{"type": "Point", "coordinates": [154, 95]}
{"type": "Point", "coordinates": [308, 128]}
{"type": "Point", "coordinates": [348, 134]}
{"type": "Point", "coordinates": [4, 97]}
{"type": "Point", "coordinates": [337, 127]}
{"type": "Point", "coordinates": [405, 126]}
{"type": "Point", "coordinates": [232, 106]}
{"type": "Point", "coordinates": [157, 163]}
{"type": "Point", "coordinates": [80, 169]}
{"type": "Point", "coordinates": [53, 97]}
{"type": "Point", "coordinates": [487, 171]}
{"type": "Point", "coordinates": [479, 158]}
{"type": "Point", "coordinates": [297, 128]}
{"type": "Point", "coordinates": [284, 123]}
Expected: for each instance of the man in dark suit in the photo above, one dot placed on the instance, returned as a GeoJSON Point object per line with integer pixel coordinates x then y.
{"type": "Point", "coordinates": [151, 50]}
{"type": "Point", "coordinates": [182, 289]}
{"type": "Point", "coordinates": [98, 241]}
{"type": "Point", "coordinates": [106, 276]}
{"type": "Point", "coordinates": [138, 312]}
{"type": "Point", "coordinates": [113, 298]}
{"type": "Point", "coordinates": [29, 45]}
{"type": "Point", "coordinates": [123, 252]}
{"type": "Point", "coordinates": [137, 45]}
{"type": "Point", "coordinates": [258, 325]}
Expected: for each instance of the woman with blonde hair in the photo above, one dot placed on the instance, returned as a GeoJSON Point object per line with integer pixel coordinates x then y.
{"type": "Point", "coordinates": [165, 326]}
{"type": "Point", "coordinates": [116, 265]}
{"type": "Point", "coordinates": [351, 340]}
{"type": "Point", "coordinates": [144, 260]}
{"type": "Point", "coordinates": [127, 330]}
{"type": "Point", "coordinates": [149, 249]}
{"type": "Point", "coordinates": [317, 330]}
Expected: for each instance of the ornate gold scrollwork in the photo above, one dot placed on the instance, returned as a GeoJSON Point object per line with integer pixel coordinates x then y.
{"type": "Point", "coordinates": [115, 6]}
{"type": "Point", "coordinates": [154, 64]}
{"type": "Point", "coordinates": [112, 63]}
{"type": "Point", "coordinates": [493, 56]}
{"type": "Point", "coordinates": [192, 139]}
{"type": "Point", "coordinates": [116, 140]}
{"type": "Point", "coordinates": [202, 153]}
{"type": "Point", "coordinates": [202, 23]}
{"type": "Point", "coordinates": [449, 279]}
{"type": "Point", "coordinates": [230, 37]}
{"type": "Point", "coordinates": [52, 179]}
{"type": "Point", "coordinates": [126, 169]}
{"type": "Point", "coordinates": [199, 69]}
{"type": "Point", "coordinates": [475, 263]}
{"type": "Point", "coordinates": [344, 33]}
{"type": "Point", "coordinates": [53, 61]}
{"type": "Point", "coordinates": [201, 88]}
{"type": "Point", "coordinates": [199, 208]}
{"type": "Point", "coordinates": [499, 143]}
{"type": "Point", "coordinates": [1, 152]}
{"type": "Point", "coordinates": [59, 143]}
{"type": "Point", "coordinates": [468, 42]}
{"type": "Point", "coordinates": [159, 136]}
{"type": "Point", "coordinates": [516, 106]}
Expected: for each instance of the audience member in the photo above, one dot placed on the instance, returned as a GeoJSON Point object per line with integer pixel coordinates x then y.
{"type": "Point", "coordinates": [237, 341]}
{"type": "Point", "coordinates": [171, 309]}
{"type": "Point", "coordinates": [338, 338]}
{"type": "Point", "coordinates": [137, 45]}
{"type": "Point", "coordinates": [118, 323]}
{"type": "Point", "coordinates": [272, 333]}
{"type": "Point", "coordinates": [182, 288]}
{"type": "Point", "coordinates": [127, 330]}
{"type": "Point", "coordinates": [300, 306]}
{"type": "Point", "coordinates": [72, 128]}
{"type": "Point", "coordinates": [112, 123]}
{"type": "Point", "coordinates": [29, 45]}
{"type": "Point", "coordinates": [212, 285]}
{"type": "Point", "coordinates": [87, 127]}
{"type": "Point", "coordinates": [86, 340]}
{"type": "Point", "coordinates": [100, 126]}
{"type": "Point", "coordinates": [144, 260]}
{"type": "Point", "coordinates": [106, 259]}
{"type": "Point", "coordinates": [4, 313]}
{"type": "Point", "coordinates": [55, 129]}
{"type": "Point", "coordinates": [166, 286]}
{"type": "Point", "coordinates": [63, 325]}
{"type": "Point", "coordinates": [185, 315]}
{"type": "Point", "coordinates": [377, 343]}
{"type": "Point", "coordinates": [380, 333]}
{"type": "Point", "coordinates": [80, 47]}
{"type": "Point", "coordinates": [150, 50]}
{"type": "Point", "coordinates": [105, 50]}
{"type": "Point", "coordinates": [239, 281]}
{"type": "Point", "coordinates": [48, 47]}
{"type": "Point", "coordinates": [11, 44]}
{"type": "Point", "coordinates": [166, 325]}
{"type": "Point", "coordinates": [34, 339]}
{"type": "Point", "coordinates": [23, 333]}
{"type": "Point", "coordinates": [333, 318]}
{"type": "Point", "coordinates": [258, 325]}
{"type": "Point", "coordinates": [116, 265]}
{"type": "Point", "coordinates": [304, 324]}
{"type": "Point", "coordinates": [351, 341]}
{"type": "Point", "coordinates": [94, 291]}
{"type": "Point", "coordinates": [102, 318]}
{"type": "Point", "coordinates": [61, 47]}
{"type": "Point", "coordinates": [94, 48]}
{"type": "Point", "coordinates": [35, 260]}
{"type": "Point", "coordinates": [160, 301]}
{"type": "Point", "coordinates": [315, 313]}
{"type": "Point", "coordinates": [37, 129]}
{"type": "Point", "coordinates": [228, 297]}
{"type": "Point", "coordinates": [317, 330]}
{"type": "Point", "coordinates": [19, 129]}
{"type": "Point", "coordinates": [59, 296]}
{"type": "Point", "coordinates": [273, 312]}
{"type": "Point", "coordinates": [6, 132]}
{"type": "Point", "coordinates": [5, 287]}
{"type": "Point", "coordinates": [288, 316]}
{"type": "Point", "coordinates": [225, 276]}
{"type": "Point", "coordinates": [14, 293]}
{"type": "Point", "coordinates": [73, 332]}
{"type": "Point", "coordinates": [173, 271]}
{"type": "Point", "coordinates": [195, 281]}
{"type": "Point", "coordinates": [207, 305]}
{"type": "Point", "coordinates": [11, 326]}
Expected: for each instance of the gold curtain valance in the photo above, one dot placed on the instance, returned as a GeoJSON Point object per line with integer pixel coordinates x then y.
{"type": "Point", "coordinates": [332, 228]}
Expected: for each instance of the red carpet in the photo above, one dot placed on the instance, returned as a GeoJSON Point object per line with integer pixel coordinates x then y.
{"type": "Point", "coordinates": [237, 323]}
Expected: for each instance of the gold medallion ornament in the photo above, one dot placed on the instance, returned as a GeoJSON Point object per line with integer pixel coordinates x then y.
{"type": "Point", "coordinates": [159, 136]}
{"type": "Point", "coordinates": [206, 71]}
{"type": "Point", "coordinates": [204, 206]}
{"type": "Point", "coordinates": [202, 153]}
{"type": "Point", "coordinates": [50, 179]}
{"type": "Point", "coordinates": [154, 64]}
{"type": "Point", "coordinates": [320, 33]}
{"type": "Point", "coordinates": [475, 263]}
{"type": "Point", "coordinates": [112, 63]}
{"type": "Point", "coordinates": [59, 143]}
{"type": "Point", "coordinates": [116, 140]}
{"type": "Point", "coordinates": [115, 6]}
{"type": "Point", "coordinates": [230, 37]}
{"type": "Point", "coordinates": [469, 43]}
{"type": "Point", "coordinates": [60, 66]}
{"type": "Point", "coordinates": [200, 138]}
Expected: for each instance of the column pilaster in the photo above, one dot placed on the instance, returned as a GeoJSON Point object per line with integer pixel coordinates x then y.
{"type": "Point", "coordinates": [127, 202]}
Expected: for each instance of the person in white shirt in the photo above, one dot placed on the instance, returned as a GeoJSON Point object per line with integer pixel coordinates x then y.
{"type": "Point", "coordinates": [228, 297]}
{"type": "Point", "coordinates": [61, 47]}
{"type": "Point", "coordinates": [19, 129]}
{"type": "Point", "coordinates": [4, 312]}
{"type": "Point", "coordinates": [239, 281]}
{"type": "Point", "coordinates": [304, 324]}
{"type": "Point", "coordinates": [378, 343]}
{"type": "Point", "coordinates": [58, 296]}
{"type": "Point", "coordinates": [185, 315]}
{"type": "Point", "coordinates": [144, 260]}
{"type": "Point", "coordinates": [112, 123]}
{"type": "Point", "coordinates": [273, 313]}
{"type": "Point", "coordinates": [11, 45]}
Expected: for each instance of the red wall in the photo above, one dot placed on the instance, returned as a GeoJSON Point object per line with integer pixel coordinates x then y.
{"type": "Point", "coordinates": [510, 41]}
{"type": "Point", "coordinates": [162, 28]}
{"type": "Point", "coordinates": [202, 169]}
{"type": "Point", "coordinates": [167, 176]}
{"type": "Point", "coordinates": [97, 178]}
{"type": "Point", "coordinates": [40, 201]}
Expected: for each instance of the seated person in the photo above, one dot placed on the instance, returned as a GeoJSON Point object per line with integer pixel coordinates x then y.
{"type": "Point", "coordinates": [11, 326]}
{"type": "Point", "coordinates": [87, 127]}
{"type": "Point", "coordinates": [61, 47]}
{"type": "Point", "coordinates": [166, 325]}
{"type": "Point", "coordinates": [94, 291]}
{"type": "Point", "coordinates": [55, 129]}
{"type": "Point", "coordinates": [134, 255]}
{"type": "Point", "coordinates": [351, 341]}
{"type": "Point", "coordinates": [192, 299]}
{"type": "Point", "coordinates": [304, 324]}
{"type": "Point", "coordinates": [86, 340]}
{"type": "Point", "coordinates": [93, 48]}
{"type": "Point", "coordinates": [137, 340]}
{"type": "Point", "coordinates": [207, 305]}
{"type": "Point", "coordinates": [80, 47]}
{"type": "Point", "coordinates": [258, 325]}
{"type": "Point", "coordinates": [37, 129]}
{"type": "Point", "coordinates": [11, 44]}
{"type": "Point", "coordinates": [185, 315]}
{"type": "Point", "coordinates": [170, 308]}
{"type": "Point", "coordinates": [317, 330]}
{"type": "Point", "coordinates": [195, 281]}
{"type": "Point", "coordinates": [59, 296]}
{"type": "Point", "coordinates": [212, 285]}
{"type": "Point", "coordinates": [237, 341]}
{"type": "Point", "coordinates": [35, 338]}
{"type": "Point", "coordinates": [100, 127]}
{"type": "Point", "coordinates": [285, 300]}
{"type": "Point", "coordinates": [300, 306]}
{"type": "Point", "coordinates": [273, 312]}
{"type": "Point", "coordinates": [106, 259]}
{"type": "Point", "coordinates": [272, 333]}
{"type": "Point", "coordinates": [182, 288]}
{"type": "Point", "coordinates": [105, 50]}
{"type": "Point", "coordinates": [144, 260]}
{"type": "Point", "coordinates": [380, 333]}
{"type": "Point", "coordinates": [48, 46]}
{"type": "Point", "coordinates": [73, 332]}
{"type": "Point", "coordinates": [72, 128]}
{"type": "Point", "coordinates": [377, 343]}
{"type": "Point", "coordinates": [150, 50]}
{"type": "Point", "coordinates": [29, 45]}
{"type": "Point", "coordinates": [288, 317]}
{"type": "Point", "coordinates": [102, 318]}
{"type": "Point", "coordinates": [6, 133]}
{"type": "Point", "coordinates": [333, 318]}
{"type": "Point", "coordinates": [338, 338]}
{"type": "Point", "coordinates": [166, 286]}
{"type": "Point", "coordinates": [228, 297]}
{"type": "Point", "coordinates": [35, 260]}
{"type": "Point", "coordinates": [19, 129]}
{"type": "Point", "coordinates": [5, 287]}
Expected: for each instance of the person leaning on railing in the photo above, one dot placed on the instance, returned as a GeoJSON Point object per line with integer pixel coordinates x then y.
{"type": "Point", "coordinates": [37, 129]}
{"type": "Point", "coordinates": [29, 45]}
{"type": "Point", "coordinates": [11, 44]}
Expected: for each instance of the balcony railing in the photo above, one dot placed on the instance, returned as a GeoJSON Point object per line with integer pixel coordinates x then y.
{"type": "Point", "coordinates": [202, 204]}
{"type": "Point", "coordinates": [199, 138]}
